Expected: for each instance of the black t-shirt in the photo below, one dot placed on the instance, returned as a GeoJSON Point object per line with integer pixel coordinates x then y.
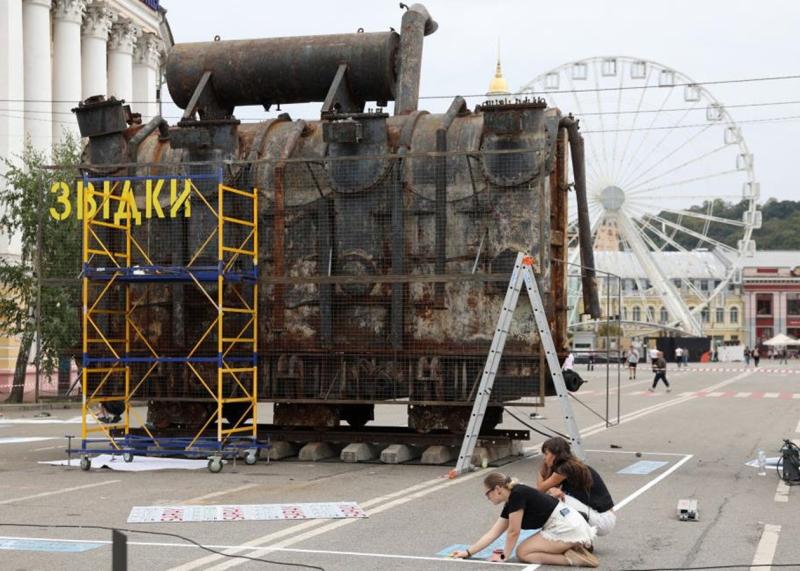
{"type": "Point", "coordinates": [597, 497]}
{"type": "Point", "coordinates": [537, 505]}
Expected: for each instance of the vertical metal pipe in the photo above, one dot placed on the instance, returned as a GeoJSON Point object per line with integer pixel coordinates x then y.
{"type": "Point", "coordinates": [441, 211]}
{"type": "Point", "coordinates": [591, 303]}
{"type": "Point", "coordinates": [416, 24]}
{"type": "Point", "coordinates": [119, 551]}
{"type": "Point", "coordinates": [398, 257]}
{"type": "Point", "coordinates": [325, 243]}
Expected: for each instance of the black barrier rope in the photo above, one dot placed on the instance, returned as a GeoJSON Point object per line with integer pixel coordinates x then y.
{"type": "Point", "coordinates": [166, 534]}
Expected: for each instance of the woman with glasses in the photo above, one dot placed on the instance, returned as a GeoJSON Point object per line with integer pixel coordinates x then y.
{"type": "Point", "coordinates": [579, 486]}
{"type": "Point", "coordinates": [564, 536]}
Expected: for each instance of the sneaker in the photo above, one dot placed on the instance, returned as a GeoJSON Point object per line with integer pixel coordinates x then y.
{"type": "Point", "coordinates": [651, 389]}
{"type": "Point", "coordinates": [579, 556]}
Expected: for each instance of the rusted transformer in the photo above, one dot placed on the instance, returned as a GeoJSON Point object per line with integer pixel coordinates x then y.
{"type": "Point", "coordinates": [387, 241]}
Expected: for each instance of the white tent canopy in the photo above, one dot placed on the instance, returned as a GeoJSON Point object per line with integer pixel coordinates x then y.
{"type": "Point", "coordinates": [781, 340]}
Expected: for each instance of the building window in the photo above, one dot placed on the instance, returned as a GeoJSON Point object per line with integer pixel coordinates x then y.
{"type": "Point", "coordinates": [734, 315]}
{"type": "Point", "coordinates": [720, 315]}
{"type": "Point", "coordinates": [651, 313]}
{"type": "Point", "coordinates": [705, 315]}
{"type": "Point", "coordinates": [664, 317]}
{"type": "Point", "coordinates": [625, 313]}
{"type": "Point", "coordinates": [637, 313]}
{"type": "Point", "coordinates": [764, 304]}
{"type": "Point", "coordinates": [793, 304]}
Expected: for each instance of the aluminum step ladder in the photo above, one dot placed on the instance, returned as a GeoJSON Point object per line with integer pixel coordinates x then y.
{"type": "Point", "coordinates": [522, 274]}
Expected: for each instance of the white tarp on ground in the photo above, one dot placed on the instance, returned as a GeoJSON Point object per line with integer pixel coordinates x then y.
{"type": "Point", "coordinates": [47, 420]}
{"type": "Point", "coordinates": [245, 512]}
{"type": "Point", "coordinates": [139, 464]}
{"type": "Point", "coordinates": [728, 353]}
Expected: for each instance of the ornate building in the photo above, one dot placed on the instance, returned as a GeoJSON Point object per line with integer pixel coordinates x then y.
{"type": "Point", "coordinates": [771, 282]}
{"type": "Point", "coordinates": [55, 53]}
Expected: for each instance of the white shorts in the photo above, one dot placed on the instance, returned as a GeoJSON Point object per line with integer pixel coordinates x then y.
{"type": "Point", "coordinates": [603, 521]}
{"type": "Point", "coordinates": [565, 524]}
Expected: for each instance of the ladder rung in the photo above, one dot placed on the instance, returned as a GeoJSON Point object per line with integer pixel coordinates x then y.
{"type": "Point", "coordinates": [105, 340]}
{"type": "Point", "coordinates": [238, 399]}
{"type": "Point", "coordinates": [237, 310]}
{"type": "Point", "coordinates": [90, 370]}
{"type": "Point", "coordinates": [105, 427]}
{"type": "Point", "coordinates": [107, 224]}
{"type": "Point", "coordinates": [238, 221]}
{"type": "Point", "coordinates": [239, 370]}
{"type": "Point", "coordinates": [223, 188]}
{"type": "Point", "coordinates": [238, 251]}
{"type": "Point", "coordinates": [107, 312]}
{"type": "Point", "coordinates": [108, 254]}
{"type": "Point", "coordinates": [238, 340]}
{"type": "Point", "coordinates": [237, 430]}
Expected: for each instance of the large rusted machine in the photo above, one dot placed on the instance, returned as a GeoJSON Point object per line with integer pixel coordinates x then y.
{"type": "Point", "coordinates": [386, 240]}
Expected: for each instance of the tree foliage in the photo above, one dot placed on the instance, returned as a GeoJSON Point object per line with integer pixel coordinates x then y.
{"type": "Point", "coordinates": [781, 218]}
{"type": "Point", "coordinates": [24, 205]}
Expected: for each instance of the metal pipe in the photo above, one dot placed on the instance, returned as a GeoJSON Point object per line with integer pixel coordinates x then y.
{"type": "Point", "coordinates": [457, 106]}
{"type": "Point", "coordinates": [416, 24]}
{"type": "Point", "coordinates": [591, 303]}
{"type": "Point", "coordinates": [284, 70]}
{"type": "Point", "coordinates": [156, 122]}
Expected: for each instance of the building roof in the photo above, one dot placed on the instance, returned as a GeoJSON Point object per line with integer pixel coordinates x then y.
{"type": "Point", "coordinates": [773, 259]}
{"type": "Point", "coordinates": [699, 264]}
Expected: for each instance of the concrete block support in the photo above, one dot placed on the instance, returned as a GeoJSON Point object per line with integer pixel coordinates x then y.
{"type": "Point", "coordinates": [399, 453]}
{"type": "Point", "coordinates": [359, 452]}
{"type": "Point", "coordinates": [282, 450]}
{"type": "Point", "coordinates": [439, 455]}
{"type": "Point", "coordinates": [316, 451]}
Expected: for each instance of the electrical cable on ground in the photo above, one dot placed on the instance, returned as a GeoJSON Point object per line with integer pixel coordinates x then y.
{"type": "Point", "coordinates": [552, 430]}
{"type": "Point", "coordinates": [166, 534]}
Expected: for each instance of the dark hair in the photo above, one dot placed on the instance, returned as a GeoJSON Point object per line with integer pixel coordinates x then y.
{"type": "Point", "coordinates": [565, 464]}
{"type": "Point", "coordinates": [499, 479]}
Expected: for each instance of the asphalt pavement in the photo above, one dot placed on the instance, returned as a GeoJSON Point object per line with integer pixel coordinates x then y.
{"type": "Point", "coordinates": [653, 450]}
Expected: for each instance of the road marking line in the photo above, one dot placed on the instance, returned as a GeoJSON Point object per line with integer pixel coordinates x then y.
{"type": "Point", "coordinates": [652, 483]}
{"type": "Point", "coordinates": [796, 396]}
{"type": "Point", "coordinates": [715, 394]}
{"type": "Point", "coordinates": [782, 493]}
{"type": "Point", "coordinates": [220, 493]}
{"type": "Point", "coordinates": [765, 551]}
{"type": "Point", "coordinates": [47, 448]}
{"type": "Point", "coordinates": [742, 395]}
{"type": "Point", "coordinates": [55, 492]}
{"type": "Point", "coordinates": [526, 566]}
{"type": "Point", "coordinates": [771, 395]}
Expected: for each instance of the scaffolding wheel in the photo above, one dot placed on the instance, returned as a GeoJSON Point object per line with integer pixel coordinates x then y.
{"type": "Point", "coordinates": [251, 457]}
{"type": "Point", "coordinates": [215, 465]}
{"type": "Point", "coordinates": [86, 463]}
{"type": "Point", "coordinates": [127, 457]}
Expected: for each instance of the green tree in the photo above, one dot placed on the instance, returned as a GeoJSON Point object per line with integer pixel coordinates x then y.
{"type": "Point", "coordinates": [46, 271]}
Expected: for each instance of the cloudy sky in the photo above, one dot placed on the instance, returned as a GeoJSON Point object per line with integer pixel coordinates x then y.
{"type": "Point", "coordinates": [705, 40]}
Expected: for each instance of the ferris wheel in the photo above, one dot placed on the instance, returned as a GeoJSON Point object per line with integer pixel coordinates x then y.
{"type": "Point", "coordinates": [667, 170]}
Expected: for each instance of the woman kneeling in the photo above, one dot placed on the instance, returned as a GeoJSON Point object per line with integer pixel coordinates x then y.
{"type": "Point", "coordinates": [564, 536]}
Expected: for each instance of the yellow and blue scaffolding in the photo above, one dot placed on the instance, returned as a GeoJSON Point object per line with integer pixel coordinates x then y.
{"type": "Point", "coordinates": [115, 261]}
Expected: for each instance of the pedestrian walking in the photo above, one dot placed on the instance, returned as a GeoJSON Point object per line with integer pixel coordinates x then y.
{"type": "Point", "coordinates": [756, 356]}
{"type": "Point", "coordinates": [679, 356]}
{"type": "Point", "coordinates": [653, 354]}
{"type": "Point", "coordinates": [747, 356]}
{"type": "Point", "coordinates": [578, 485]}
{"type": "Point", "coordinates": [784, 357]}
{"type": "Point", "coordinates": [660, 370]}
{"type": "Point", "coordinates": [685, 357]}
{"type": "Point", "coordinates": [565, 536]}
{"type": "Point", "coordinates": [633, 359]}
{"type": "Point", "coordinates": [590, 364]}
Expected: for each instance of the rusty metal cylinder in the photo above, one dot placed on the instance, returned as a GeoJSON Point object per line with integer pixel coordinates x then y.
{"type": "Point", "coordinates": [285, 70]}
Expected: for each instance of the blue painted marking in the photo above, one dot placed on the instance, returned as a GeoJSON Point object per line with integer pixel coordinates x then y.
{"type": "Point", "coordinates": [499, 543]}
{"type": "Point", "coordinates": [46, 545]}
{"type": "Point", "coordinates": [643, 467]}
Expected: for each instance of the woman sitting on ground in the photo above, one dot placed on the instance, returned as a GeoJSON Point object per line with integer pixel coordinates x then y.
{"type": "Point", "coordinates": [564, 536]}
{"type": "Point", "coordinates": [579, 486]}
